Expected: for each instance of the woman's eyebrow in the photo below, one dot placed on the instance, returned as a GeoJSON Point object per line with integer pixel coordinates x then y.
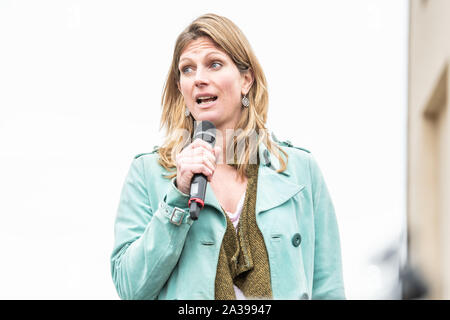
{"type": "Point", "coordinates": [182, 59]}
{"type": "Point", "coordinates": [215, 52]}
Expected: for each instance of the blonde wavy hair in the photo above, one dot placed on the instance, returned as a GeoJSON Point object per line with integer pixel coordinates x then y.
{"type": "Point", "coordinates": [227, 36]}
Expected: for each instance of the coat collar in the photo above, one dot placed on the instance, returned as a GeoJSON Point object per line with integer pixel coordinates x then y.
{"type": "Point", "coordinates": [273, 188]}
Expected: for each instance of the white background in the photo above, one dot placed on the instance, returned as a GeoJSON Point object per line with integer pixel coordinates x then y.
{"type": "Point", "coordinates": [80, 92]}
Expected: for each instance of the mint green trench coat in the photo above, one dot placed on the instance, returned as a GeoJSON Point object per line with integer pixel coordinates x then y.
{"type": "Point", "coordinates": [160, 253]}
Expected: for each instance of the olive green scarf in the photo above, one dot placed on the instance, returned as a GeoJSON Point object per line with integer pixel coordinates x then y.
{"type": "Point", "coordinates": [243, 259]}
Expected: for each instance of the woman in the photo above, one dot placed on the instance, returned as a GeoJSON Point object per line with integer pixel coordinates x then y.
{"type": "Point", "coordinates": [268, 228]}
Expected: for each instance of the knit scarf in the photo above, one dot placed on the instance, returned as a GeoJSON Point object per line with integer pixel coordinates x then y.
{"type": "Point", "coordinates": [243, 259]}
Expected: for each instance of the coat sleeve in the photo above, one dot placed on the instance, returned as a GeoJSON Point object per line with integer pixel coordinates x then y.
{"type": "Point", "coordinates": [328, 277]}
{"type": "Point", "coordinates": [147, 241]}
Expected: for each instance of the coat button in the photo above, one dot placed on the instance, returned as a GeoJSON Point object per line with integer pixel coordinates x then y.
{"type": "Point", "coordinates": [296, 239]}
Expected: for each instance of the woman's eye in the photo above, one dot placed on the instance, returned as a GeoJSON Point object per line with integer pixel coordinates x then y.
{"type": "Point", "coordinates": [215, 65]}
{"type": "Point", "coordinates": [186, 69]}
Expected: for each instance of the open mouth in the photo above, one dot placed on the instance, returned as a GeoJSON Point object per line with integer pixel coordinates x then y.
{"type": "Point", "coordinates": [205, 100]}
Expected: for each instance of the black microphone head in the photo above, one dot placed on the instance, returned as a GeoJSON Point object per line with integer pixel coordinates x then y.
{"type": "Point", "coordinates": [205, 130]}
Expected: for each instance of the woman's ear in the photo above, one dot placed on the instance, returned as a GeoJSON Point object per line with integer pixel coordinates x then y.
{"type": "Point", "coordinates": [247, 81]}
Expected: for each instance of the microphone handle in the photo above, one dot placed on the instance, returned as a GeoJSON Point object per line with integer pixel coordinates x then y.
{"type": "Point", "coordinates": [198, 192]}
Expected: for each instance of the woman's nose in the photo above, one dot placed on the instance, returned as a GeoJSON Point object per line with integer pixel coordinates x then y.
{"type": "Point", "coordinates": [201, 77]}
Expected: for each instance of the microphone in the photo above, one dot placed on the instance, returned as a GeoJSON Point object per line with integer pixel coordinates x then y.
{"type": "Point", "coordinates": [206, 131]}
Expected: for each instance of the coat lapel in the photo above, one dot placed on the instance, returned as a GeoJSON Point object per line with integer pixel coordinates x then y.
{"type": "Point", "coordinates": [273, 188]}
{"type": "Point", "coordinates": [211, 200]}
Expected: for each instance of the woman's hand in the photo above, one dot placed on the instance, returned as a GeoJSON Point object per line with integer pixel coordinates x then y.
{"type": "Point", "coordinates": [198, 157]}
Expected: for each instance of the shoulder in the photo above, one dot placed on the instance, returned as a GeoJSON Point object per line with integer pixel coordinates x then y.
{"type": "Point", "coordinates": [287, 143]}
{"type": "Point", "coordinates": [291, 149]}
{"type": "Point", "coordinates": [148, 165]}
{"type": "Point", "coordinates": [298, 159]}
{"type": "Point", "coordinates": [301, 161]}
{"type": "Point", "coordinates": [148, 161]}
{"type": "Point", "coordinates": [154, 152]}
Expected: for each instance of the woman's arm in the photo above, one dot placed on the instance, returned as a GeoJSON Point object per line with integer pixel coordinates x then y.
{"type": "Point", "coordinates": [328, 278]}
{"type": "Point", "coordinates": [148, 241]}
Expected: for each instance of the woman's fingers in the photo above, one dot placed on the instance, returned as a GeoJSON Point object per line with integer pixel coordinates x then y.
{"type": "Point", "coordinates": [193, 162]}
{"type": "Point", "coordinates": [199, 168]}
{"type": "Point", "coordinates": [198, 157]}
{"type": "Point", "coordinates": [201, 143]}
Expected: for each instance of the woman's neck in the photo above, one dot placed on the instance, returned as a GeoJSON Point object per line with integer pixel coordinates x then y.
{"type": "Point", "coordinates": [224, 137]}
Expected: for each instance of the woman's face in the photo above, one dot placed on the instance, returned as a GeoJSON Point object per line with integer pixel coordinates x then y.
{"type": "Point", "coordinates": [211, 84]}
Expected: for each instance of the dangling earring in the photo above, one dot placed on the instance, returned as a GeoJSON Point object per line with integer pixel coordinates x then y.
{"type": "Point", "coordinates": [245, 101]}
{"type": "Point", "coordinates": [186, 112]}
